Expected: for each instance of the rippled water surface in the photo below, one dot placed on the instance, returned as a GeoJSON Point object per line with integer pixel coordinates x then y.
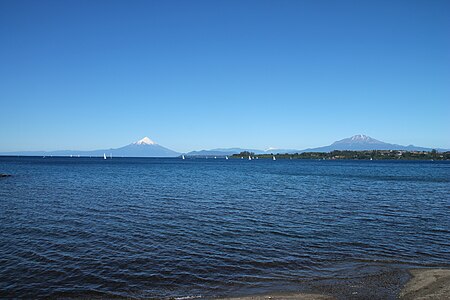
{"type": "Point", "coordinates": [74, 227]}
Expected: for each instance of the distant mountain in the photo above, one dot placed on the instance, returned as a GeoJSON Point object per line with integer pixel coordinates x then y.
{"type": "Point", "coordinates": [148, 148]}
{"type": "Point", "coordinates": [142, 148]}
{"type": "Point", "coordinates": [363, 142]}
{"type": "Point", "coordinates": [355, 143]}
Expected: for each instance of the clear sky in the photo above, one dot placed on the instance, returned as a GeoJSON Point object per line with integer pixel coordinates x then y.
{"type": "Point", "coordinates": [203, 74]}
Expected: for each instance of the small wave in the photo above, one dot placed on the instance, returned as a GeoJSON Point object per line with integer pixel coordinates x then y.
{"type": "Point", "coordinates": [188, 297]}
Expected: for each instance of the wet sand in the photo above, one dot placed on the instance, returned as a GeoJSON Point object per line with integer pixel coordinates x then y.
{"type": "Point", "coordinates": [424, 284]}
{"type": "Point", "coordinates": [297, 296]}
{"type": "Point", "coordinates": [429, 284]}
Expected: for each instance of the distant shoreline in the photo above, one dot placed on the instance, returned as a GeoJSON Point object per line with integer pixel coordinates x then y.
{"type": "Point", "coordinates": [354, 155]}
{"type": "Point", "coordinates": [261, 156]}
{"type": "Point", "coordinates": [334, 155]}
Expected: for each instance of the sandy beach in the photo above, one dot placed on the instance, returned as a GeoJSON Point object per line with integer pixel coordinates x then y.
{"type": "Point", "coordinates": [429, 284]}
{"type": "Point", "coordinates": [425, 284]}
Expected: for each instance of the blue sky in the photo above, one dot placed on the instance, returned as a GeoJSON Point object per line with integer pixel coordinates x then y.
{"type": "Point", "coordinates": [205, 74]}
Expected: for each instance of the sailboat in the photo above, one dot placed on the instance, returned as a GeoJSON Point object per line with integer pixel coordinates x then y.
{"type": "Point", "coordinates": [104, 156]}
{"type": "Point", "coordinates": [249, 158]}
{"type": "Point", "coordinates": [273, 158]}
{"type": "Point", "coordinates": [182, 157]}
{"type": "Point", "coordinates": [226, 157]}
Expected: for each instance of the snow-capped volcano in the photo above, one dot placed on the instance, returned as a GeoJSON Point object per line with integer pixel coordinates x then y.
{"type": "Point", "coordinates": [145, 148]}
{"type": "Point", "coordinates": [145, 141]}
{"type": "Point", "coordinates": [142, 148]}
{"type": "Point", "coordinates": [361, 142]}
{"type": "Point", "coordinates": [148, 148]}
{"type": "Point", "coordinates": [359, 139]}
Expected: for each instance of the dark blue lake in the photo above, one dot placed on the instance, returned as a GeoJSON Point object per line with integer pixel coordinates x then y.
{"type": "Point", "coordinates": [159, 228]}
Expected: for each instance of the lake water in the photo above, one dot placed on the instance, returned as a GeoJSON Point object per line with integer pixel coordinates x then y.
{"type": "Point", "coordinates": [159, 228]}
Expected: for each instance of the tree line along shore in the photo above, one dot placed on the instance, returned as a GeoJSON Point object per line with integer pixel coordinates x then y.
{"type": "Point", "coordinates": [347, 154]}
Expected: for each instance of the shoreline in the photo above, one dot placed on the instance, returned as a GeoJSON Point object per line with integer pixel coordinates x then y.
{"type": "Point", "coordinates": [428, 283]}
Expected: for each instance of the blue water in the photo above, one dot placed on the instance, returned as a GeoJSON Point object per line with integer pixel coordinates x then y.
{"type": "Point", "coordinates": [88, 227]}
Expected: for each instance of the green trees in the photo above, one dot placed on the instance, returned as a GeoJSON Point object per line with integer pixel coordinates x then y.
{"type": "Point", "coordinates": [434, 153]}
{"type": "Point", "coordinates": [245, 154]}
{"type": "Point", "coordinates": [364, 155]}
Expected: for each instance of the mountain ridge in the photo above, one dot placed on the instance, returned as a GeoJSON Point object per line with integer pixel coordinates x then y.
{"type": "Point", "coordinates": [146, 147]}
{"type": "Point", "coordinates": [362, 142]}
{"type": "Point", "coordinates": [357, 142]}
{"type": "Point", "coordinates": [142, 148]}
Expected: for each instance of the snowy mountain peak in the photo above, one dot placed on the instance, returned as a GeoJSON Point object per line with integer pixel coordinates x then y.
{"type": "Point", "coordinates": [145, 141]}
{"type": "Point", "coordinates": [361, 137]}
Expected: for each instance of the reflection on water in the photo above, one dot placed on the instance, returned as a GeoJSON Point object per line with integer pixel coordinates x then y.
{"type": "Point", "coordinates": [172, 227]}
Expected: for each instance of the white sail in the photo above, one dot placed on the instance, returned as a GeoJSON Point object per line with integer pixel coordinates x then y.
{"type": "Point", "coordinates": [182, 156]}
{"type": "Point", "coordinates": [226, 157]}
{"type": "Point", "coordinates": [104, 155]}
{"type": "Point", "coordinates": [249, 158]}
{"type": "Point", "coordinates": [273, 157]}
